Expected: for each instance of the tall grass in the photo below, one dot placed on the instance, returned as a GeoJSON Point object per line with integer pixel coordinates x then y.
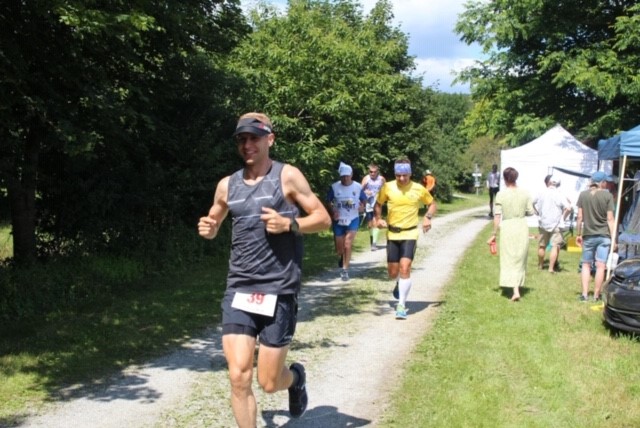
{"type": "Point", "coordinates": [546, 361]}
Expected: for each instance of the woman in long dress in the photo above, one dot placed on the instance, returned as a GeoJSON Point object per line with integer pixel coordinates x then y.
{"type": "Point", "coordinates": [512, 206]}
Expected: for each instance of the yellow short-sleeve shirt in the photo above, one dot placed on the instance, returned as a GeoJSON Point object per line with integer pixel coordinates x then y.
{"type": "Point", "coordinates": [403, 204]}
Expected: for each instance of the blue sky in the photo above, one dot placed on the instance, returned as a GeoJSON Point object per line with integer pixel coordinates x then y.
{"type": "Point", "coordinates": [432, 41]}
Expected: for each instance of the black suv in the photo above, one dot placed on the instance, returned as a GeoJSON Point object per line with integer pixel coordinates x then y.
{"type": "Point", "coordinates": [621, 296]}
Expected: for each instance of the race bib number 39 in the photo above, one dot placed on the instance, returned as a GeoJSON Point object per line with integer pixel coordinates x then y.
{"type": "Point", "coordinates": [257, 303]}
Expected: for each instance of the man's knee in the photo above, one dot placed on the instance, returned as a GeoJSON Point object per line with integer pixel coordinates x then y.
{"type": "Point", "coordinates": [269, 385]}
{"type": "Point", "coordinates": [392, 271]}
{"type": "Point", "coordinates": [240, 378]}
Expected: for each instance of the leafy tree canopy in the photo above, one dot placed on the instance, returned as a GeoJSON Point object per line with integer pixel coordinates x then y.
{"type": "Point", "coordinates": [334, 82]}
{"type": "Point", "coordinates": [550, 61]}
{"type": "Point", "coordinates": [98, 101]}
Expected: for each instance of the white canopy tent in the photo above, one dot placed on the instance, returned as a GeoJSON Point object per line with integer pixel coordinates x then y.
{"type": "Point", "coordinates": [555, 152]}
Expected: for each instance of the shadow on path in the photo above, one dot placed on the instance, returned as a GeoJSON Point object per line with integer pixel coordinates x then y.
{"type": "Point", "coordinates": [318, 417]}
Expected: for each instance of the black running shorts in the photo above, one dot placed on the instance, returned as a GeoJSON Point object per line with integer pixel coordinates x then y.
{"type": "Point", "coordinates": [276, 331]}
{"type": "Point", "coordinates": [396, 250]}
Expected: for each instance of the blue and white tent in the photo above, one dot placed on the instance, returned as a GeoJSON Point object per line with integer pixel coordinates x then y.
{"type": "Point", "coordinates": [622, 147]}
{"type": "Point", "coordinates": [626, 143]}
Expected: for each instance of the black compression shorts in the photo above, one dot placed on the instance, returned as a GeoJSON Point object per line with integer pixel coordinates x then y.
{"type": "Point", "coordinates": [276, 331]}
{"type": "Point", "coordinates": [396, 250]}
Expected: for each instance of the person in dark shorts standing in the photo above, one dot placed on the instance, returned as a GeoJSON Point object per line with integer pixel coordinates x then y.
{"type": "Point", "coordinates": [595, 227]}
{"type": "Point", "coordinates": [264, 279]}
{"type": "Point", "coordinates": [404, 199]}
{"type": "Point", "coordinates": [493, 183]}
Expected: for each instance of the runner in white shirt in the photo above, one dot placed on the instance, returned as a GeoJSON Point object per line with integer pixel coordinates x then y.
{"type": "Point", "coordinates": [346, 201]}
{"type": "Point", "coordinates": [371, 184]}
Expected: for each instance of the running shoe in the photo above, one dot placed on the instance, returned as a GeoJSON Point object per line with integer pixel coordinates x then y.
{"type": "Point", "coordinates": [396, 292]}
{"type": "Point", "coordinates": [374, 247]}
{"type": "Point", "coordinates": [298, 399]}
{"type": "Point", "coordinates": [583, 298]}
{"type": "Point", "coordinates": [344, 275]}
{"type": "Point", "coordinates": [401, 312]}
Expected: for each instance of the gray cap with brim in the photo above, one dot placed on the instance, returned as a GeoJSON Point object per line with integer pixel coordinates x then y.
{"type": "Point", "coordinates": [251, 125]}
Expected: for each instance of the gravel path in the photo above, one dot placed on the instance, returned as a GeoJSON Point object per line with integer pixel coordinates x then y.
{"type": "Point", "coordinates": [353, 357]}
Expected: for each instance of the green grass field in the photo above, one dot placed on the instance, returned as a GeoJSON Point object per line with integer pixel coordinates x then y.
{"type": "Point", "coordinates": [546, 361]}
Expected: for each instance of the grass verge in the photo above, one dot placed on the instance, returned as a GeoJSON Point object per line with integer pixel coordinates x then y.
{"type": "Point", "coordinates": [546, 361]}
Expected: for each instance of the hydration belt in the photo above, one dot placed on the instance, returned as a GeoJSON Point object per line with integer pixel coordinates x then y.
{"type": "Point", "coordinates": [395, 229]}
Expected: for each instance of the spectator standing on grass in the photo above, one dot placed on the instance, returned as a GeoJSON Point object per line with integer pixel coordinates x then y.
{"type": "Point", "coordinates": [552, 208]}
{"type": "Point", "coordinates": [512, 205]}
{"type": "Point", "coordinates": [371, 184]}
{"type": "Point", "coordinates": [493, 184]}
{"type": "Point", "coordinates": [346, 201]}
{"type": "Point", "coordinates": [594, 228]}
{"type": "Point", "coordinates": [404, 198]}
{"type": "Point", "coordinates": [261, 299]}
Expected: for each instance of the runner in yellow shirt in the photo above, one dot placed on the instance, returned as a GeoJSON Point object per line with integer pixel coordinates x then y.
{"type": "Point", "coordinates": [404, 198]}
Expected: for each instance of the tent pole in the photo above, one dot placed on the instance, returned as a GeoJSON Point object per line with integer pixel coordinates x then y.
{"type": "Point", "coordinates": [617, 213]}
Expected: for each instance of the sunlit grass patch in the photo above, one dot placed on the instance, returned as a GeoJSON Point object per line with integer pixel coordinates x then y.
{"type": "Point", "coordinates": [547, 360]}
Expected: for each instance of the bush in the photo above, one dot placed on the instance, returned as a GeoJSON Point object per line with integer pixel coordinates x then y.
{"type": "Point", "coordinates": [68, 283]}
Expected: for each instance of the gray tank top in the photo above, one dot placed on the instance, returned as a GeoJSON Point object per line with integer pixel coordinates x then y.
{"type": "Point", "coordinates": [262, 262]}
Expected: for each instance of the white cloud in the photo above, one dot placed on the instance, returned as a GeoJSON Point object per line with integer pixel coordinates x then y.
{"type": "Point", "coordinates": [439, 73]}
{"type": "Point", "coordinates": [438, 50]}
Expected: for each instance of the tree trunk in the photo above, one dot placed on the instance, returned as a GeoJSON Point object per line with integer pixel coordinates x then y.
{"type": "Point", "coordinates": [22, 196]}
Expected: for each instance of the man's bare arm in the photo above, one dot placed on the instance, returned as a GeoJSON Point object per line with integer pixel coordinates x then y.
{"type": "Point", "coordinates": [209, 225]}
{"type": "Point", "coordinates": [297, 189]}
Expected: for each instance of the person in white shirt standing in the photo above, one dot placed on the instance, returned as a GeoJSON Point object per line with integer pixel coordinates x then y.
{"type": "Point", "coordinates": [493, 183]}
{"type": "Point", "coordinates": [346, 201]}
{"type": "Point", "coordinates": [552, 208]}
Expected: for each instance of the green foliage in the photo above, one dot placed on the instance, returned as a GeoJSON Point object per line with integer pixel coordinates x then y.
{"type": "Point", "coordinates": [114, 115]}
{"type": "Point", "coordinates": [57, 285]}
{"type": "Point", "coordinates": [483, 152]}
{"type": "Point", "coordinates": [443, 152]}
{"type": "Point", "coordinates": [74, 281]}
{"type": "Point", "coordinates": [573, 63]}
{"type": "Point", "coordinates": [332, 84]}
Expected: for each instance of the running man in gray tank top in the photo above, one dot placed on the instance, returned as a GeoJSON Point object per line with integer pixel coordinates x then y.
{"type": "Point", "coordinates": [264, 267]}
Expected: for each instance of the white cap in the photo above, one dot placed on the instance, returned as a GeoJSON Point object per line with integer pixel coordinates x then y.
{"type": "Point", "coordinates": [345, 169]}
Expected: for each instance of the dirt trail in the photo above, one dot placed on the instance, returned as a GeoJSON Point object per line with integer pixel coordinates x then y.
{"type": "Point", "coordinates": [350, 372]}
